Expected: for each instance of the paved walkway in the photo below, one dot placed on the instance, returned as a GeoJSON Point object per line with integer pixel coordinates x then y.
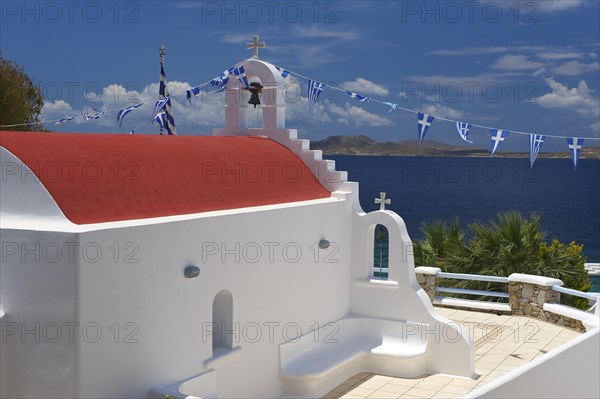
{"type": "Point", "coordinates": [502, 343]}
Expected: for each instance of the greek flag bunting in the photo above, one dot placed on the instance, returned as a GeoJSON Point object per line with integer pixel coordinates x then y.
{"type": "Point", "coordinates": [161, 119]}
{"type": "Point", "coordinates": [357, 96]}
{"type": "Point", "coordinates": [463, 130]}
{"type": "Point", "coordinates": [424, 121]}
{"type": "Point", "coordinates": [220, 82]}
{"type": "Point", "coordinates": [575, 144]}
{"type": "Point", "coordinates": [498, 137]}
{"type": "Point", "coordinates": [240, 74]}
{"type": "Point", "coordinates": [193, 94]}
{"type": "Point", "coordinates": [163, 93]}
{"type": "Point", "coordinates": [284, 72]}
{"type": "Point", "coordinates": [158, 106]}
{"type": "Point", "coordinates": [535, 144]}
{"type": "Point", "coordinates": [97, 114]}
{"type": "Point", "coordinates": [314, 90]}
{"type": "Point", "coordinates": [123, 112]}
{"type": "Point", "coordinates": [392, 106]}
{"type": "Point", "coordinates": [60, 122]}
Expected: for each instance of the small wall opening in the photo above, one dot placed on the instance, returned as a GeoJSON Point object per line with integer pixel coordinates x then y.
{"type": "Point", "coordinates": [380, 252]}
{"type": "Point", "coordinates": [222, 336]}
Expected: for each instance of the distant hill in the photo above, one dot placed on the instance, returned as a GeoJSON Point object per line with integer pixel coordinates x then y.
{"type": "Point", "coordinates": [364, 145]}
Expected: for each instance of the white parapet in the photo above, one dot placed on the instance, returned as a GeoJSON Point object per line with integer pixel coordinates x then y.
{"type": "Point", "coordinates": [427, 270]}
{"type": "Point", "coordinates": [537, 280]}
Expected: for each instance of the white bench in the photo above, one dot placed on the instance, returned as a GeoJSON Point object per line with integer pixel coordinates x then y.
{"type": "Point", "coordinates": [319, 361]}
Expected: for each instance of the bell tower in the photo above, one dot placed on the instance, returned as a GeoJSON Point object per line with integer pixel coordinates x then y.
{"type": "Point", "coordinates": [236, 103]}
{"type": "Point", "coordinates": [272, 108]}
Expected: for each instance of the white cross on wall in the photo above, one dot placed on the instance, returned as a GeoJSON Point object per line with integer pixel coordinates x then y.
{"type": "Point", "coordinates": [255, 45]}
{"type": "Point", "coordinates": [382, 201]}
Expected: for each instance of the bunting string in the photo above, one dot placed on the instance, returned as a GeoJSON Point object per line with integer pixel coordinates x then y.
{"type": "Point", "coordinates": [219, 83]}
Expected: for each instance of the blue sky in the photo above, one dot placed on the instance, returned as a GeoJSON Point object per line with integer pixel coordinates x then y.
{"type": "Point", "coordinates": [529, 66]}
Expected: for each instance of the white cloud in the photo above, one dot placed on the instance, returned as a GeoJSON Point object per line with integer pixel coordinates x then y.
{"type": "Point", "coordinates": [576, 68]}
{"type": "Point", "coordinates": [578, 98]}
{"type": "Point", "coordinates": [208, 113]}
{"type": "Point", "coordinates": [237, 38]}
{"type": "Point", "coordinates": [56, 110]}
{"type": "Point", "coordinates": [595, 126]}
{"type": "Point", "coordinates": [318, 32]}
{"type": "Point", "coordinates": [488, 50]}
{"type": "Point", "coordinates": [364, 86]}
{"type": "Point", "coordinates": [442, 111]}
{"type": "Point", "coordinates": [559, 5]}
{"type": "Point", "coordinates": [560, 55]}
{"type": "Point", "coordinates": [548, 6]}
{"type": "Point", "coordinates": [511, 62]}
{"type": "Point", "coordinates": [305, 56]}
{"type": "Point", "coordinates": [356, 116]}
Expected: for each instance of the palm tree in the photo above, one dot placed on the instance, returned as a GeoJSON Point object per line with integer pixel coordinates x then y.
{"type": "Point", "coordinates": [509, 244]}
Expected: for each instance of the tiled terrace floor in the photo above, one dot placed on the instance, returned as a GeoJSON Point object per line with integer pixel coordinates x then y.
{"type": "Point", "coordinates": [502, 343]}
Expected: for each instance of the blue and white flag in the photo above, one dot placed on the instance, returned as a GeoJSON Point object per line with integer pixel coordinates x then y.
{"type": "Point", "coordinates": [423, 123]}
{"type": "Point", "coordinates": [357, 96]}
{"type": "Point", "coordinates": [498, 137]}
{"type": "Point", "coordinates": [97, 114]}
{"type": "Point", "coordinates": [161, 119]}
{"type": "Point", "coordinates": [314, 90]}
{"type": "Point", "coordinates": [575, 145]}
{"type": "Point", "coordinates": [240, 75]}
{"type": "Point", "coordinates": [220, 82]}
{"type": "Point", "coordinates": [66, 119]}
{"type": "Point", "coordinates": [158, 106]}
{"type": "Point", "coordinates": [163, 92]}
{"type": "Point", "coordinates": [392, 106]}
{"type": "Point", "coordinates": [463, 130]}
{"type": "Point", "coordinates": [284, 72]}
{"type": "Point", "coordinates": [535, 144]}
{"type": "Point", "coordinates": [122, 113]}
{"type": "Point", "coordinates": [193, 94]}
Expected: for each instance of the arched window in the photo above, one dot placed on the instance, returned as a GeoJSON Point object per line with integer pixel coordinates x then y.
{"type": "Point", "coordinates": [222, 337]}
{"type": "Point", "coordinates": [380, 252]}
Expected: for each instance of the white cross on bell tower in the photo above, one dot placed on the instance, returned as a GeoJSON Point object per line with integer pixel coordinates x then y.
{"type": "Point", "coordinates": [255, 45]}
{"type": "Point", "coordinates": [382, 201]}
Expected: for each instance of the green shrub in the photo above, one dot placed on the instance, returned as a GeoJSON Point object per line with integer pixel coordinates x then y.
{"type": "Point", "coordinates": [509, 244]}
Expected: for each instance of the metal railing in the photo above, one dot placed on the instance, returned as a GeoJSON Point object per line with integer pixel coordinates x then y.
{"type": "Point", "coordinates": [569, 291]}
{"type": "Point", "coordinates": [472, 277]}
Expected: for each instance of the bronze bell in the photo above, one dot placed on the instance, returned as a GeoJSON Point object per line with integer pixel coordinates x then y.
{"type": "Point", "coordinates": [254, 88]}
{"type": "Point", "coordinates": [254, 100]}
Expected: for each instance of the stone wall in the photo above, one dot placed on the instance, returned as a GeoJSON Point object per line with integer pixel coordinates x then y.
{"type": "Point", "coordinates": [527, 296]}
{"type": "Point", "coordinates": [426, 277]}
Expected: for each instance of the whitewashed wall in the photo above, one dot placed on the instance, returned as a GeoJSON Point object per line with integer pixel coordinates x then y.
{"type": "Point", "coordinates": [570, 371]}
{"type": "Point", "coordinates": [166, 311]}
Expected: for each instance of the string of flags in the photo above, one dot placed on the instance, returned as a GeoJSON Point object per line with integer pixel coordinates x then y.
{"type": "Point", "coordinates": [163, 117]}
{"type": "Point", "coordinates": [424, 122]}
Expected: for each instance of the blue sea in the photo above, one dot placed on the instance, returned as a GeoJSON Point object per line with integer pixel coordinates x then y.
{"type": "Point", "coordinates": [477, 189]}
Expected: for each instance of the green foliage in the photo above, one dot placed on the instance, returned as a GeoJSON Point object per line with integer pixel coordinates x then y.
{"type": "Point", "coordinates": [509, 244]}
{"type": "Point", "coordinates": [21, 101]}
